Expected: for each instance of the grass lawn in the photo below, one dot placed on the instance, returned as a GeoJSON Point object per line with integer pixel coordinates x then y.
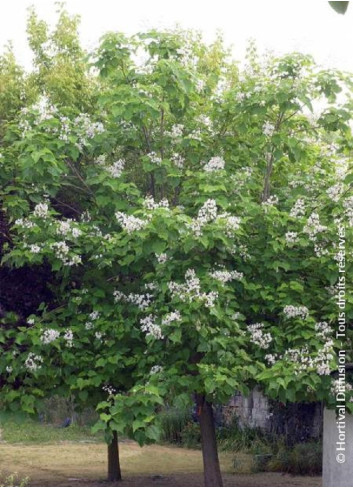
{"type": "Point", "coordinates": [52, 456]}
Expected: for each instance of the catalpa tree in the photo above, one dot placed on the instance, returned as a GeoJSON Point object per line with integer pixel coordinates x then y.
{"type": "Point", "coordinates": [203, 256]}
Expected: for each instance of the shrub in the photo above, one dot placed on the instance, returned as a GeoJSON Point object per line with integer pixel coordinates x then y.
{"type": "Point", "coordinates": [172, 422]}
{"type": "Point", "coordinates": [302, 459]}
{"type": "Point", "coordinates": [235, 438]}
{"type": "Point", "coordinates": [191, 435]}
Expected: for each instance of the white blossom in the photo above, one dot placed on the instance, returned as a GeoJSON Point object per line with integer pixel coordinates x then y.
{"type": "Point", "coordinates": [130, 224]}
{"type": "Point", "coordinates": [150, 204]}
{"type": "Point", "coordinates": [41, 210]}
{"type": "Point", "coordinates": [177, 131]}
{"type": "Point", "coordinates": [49, 335]}
{"type": "Point", "coordinates": [34, 248]}
{"type": "Point", "coordinates": [154, 158]}
{"type": "Point", "coordinates": [207, 213]}
{"type": "Point", "coordinates": [162, 258]}
{"type": "Point", "coordinates": [296, 311]}
{"type": "Point", "coordinates": [156, 369]}
{"type": "Point", "coordinates": [94, 315]}
{"type": "Point", "coordinates": [109, 389]}
{"type": "Point", "coordinates": [225, 276]}
{"type": "Point", "coordinates": [298, 209]}
{"type": "Point", "coordinates": [33, 362]}
{"type": "Point", "coordinates": [171, 317]}
{"type": "Point", "coordinates": [348, 209]}
{"type": "Point", "coordinates": [271, 201]}
{"type": "Point", "coordinates": [149, 326]}
{"type": "Point", "coordinates": [291, 237]}
{"type": "Point", "coordinates": [178, 160]}
{"type": "Point", "coordinates": [335, 192]}
{"type": "Point", "coordinates": [271, 359]}
{"type": "Point", "coordinates": [323, 329]}
{"type": "Point", "coordinates": [116, 168]}
{"type": "Point", "coordinates": [268, 129]}
{"type": "Point", "coordinates": [190, 290]}
{"type": "Point", "coordinates": [215, 164]}
{"type": "Point", "coordinates": [68, 337]}
{"type": "Point", "coordinates": [258, 337]}
{"type": "Point", "coordinates": [313, 226]}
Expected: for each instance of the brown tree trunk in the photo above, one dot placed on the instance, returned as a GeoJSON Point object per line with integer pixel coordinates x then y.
{"type": "Point", "coordinates": [212, 471]}
{"type": "Point", "coordinates": [114, 472]}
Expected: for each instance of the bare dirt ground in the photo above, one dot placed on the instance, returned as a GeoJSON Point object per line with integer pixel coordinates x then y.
{"type": "Point", "coordinates": [84, 465]}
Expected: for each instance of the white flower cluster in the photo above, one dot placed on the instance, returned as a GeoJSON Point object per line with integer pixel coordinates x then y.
{"type": "Point", "coordinates": [34, 248]}
{"type": "Point", "coordinates": [68, 337]}
{"type": "Point", "coordinates": [271, 358]}
{"type": "Point", "coordinates": [258, 337]}
{"type": "Point", "coordinates": [206, 214]}
{"type": "Point", "coordinates": [130, 224]}
{"type": "Point", "coordinates": [66, 228]}
{"type": "Point", "coordinates": [323, 330]}
{"type": "Point", "coordinates": [272, 200]}
{"type": "Point", "coordinates": [225, 276]}
{"type": "Point", "coordinates": [151, 286]}
{"type": "Point", "coordinates": [150, 204]}
{"type": "Point", "coordinates": [313, 226]}
{"type": "Point", "coordinates": [215, 164]}
{"type": "Point", "coordinates": [320, 250]}
{"type": "Point", "coordinates": [49, 335]}
{"type": "Point", "coordinates": [298, 210]}
{"type": "Point", "coordinates": [291, 237]}
{"type": "Point", "coordinates": [9, 369]}
{"type": "Point", "coordinates": [94, 315]}
{"type": "Point", "coordinates": [232, 224]}
{"type": "Point", "coordinates": [335, 192]}
{"type": "Point", "coordinates": [33, 362]}
{"type": "Point", "coordinates": [154, 158]}
{"type": "Point", "coordinates": [61, 251]}
{"type": "Point", "coordinates": [339, 385]}
{"type": "Point", "coordinates": [162, 258]}
{"type": "Point", "coordinates": [178, 160]}
{"type": "Point", "coordinates": [191, 290]}
{"type": "Point", "coordinates": [149, 326]}
{"type": "Point", "coordinates": [171, 317]}
{"type": "Point", "coordinates": [87, 129]}
{"type": "Point", "coordinates": [41, 210]}
{"type": "Point", "coordinates": [176, 131]}
{"type": "Point", "coordinates": [156, 369]}
{"type": "Point", "coordinates": [109, 389]}
{"type": "Point", "coordinates": [24, 223]}
{"type": "Point", "coordinates": [116, 168]}
{"type": "Point", "coordinates": [296, 311]}
{"type": "Point", "coordinates": [348, 209]}
{"type": "Point", "coordinates": [323, 359]}
{"type": "Point", "coordinates": [142, 301]}
{"type": "Point", "coordinates": [268, 129]}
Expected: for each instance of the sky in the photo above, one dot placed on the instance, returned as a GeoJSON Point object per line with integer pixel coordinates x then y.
{"type": "Point", "coordinates": [311, 27]}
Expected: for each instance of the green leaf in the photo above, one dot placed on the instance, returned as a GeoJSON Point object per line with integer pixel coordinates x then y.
{"type": "Point", "coordinates": [339, 7]}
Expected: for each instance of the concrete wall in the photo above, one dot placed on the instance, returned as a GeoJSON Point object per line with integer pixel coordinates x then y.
{"type": "Point", "coordinates": [297, 422]}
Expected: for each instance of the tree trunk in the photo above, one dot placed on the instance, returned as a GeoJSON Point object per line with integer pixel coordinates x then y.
{"type": "Point", "coordinates": [212, 471]}
{"type": "Point", "coordinates": [114, 472]}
